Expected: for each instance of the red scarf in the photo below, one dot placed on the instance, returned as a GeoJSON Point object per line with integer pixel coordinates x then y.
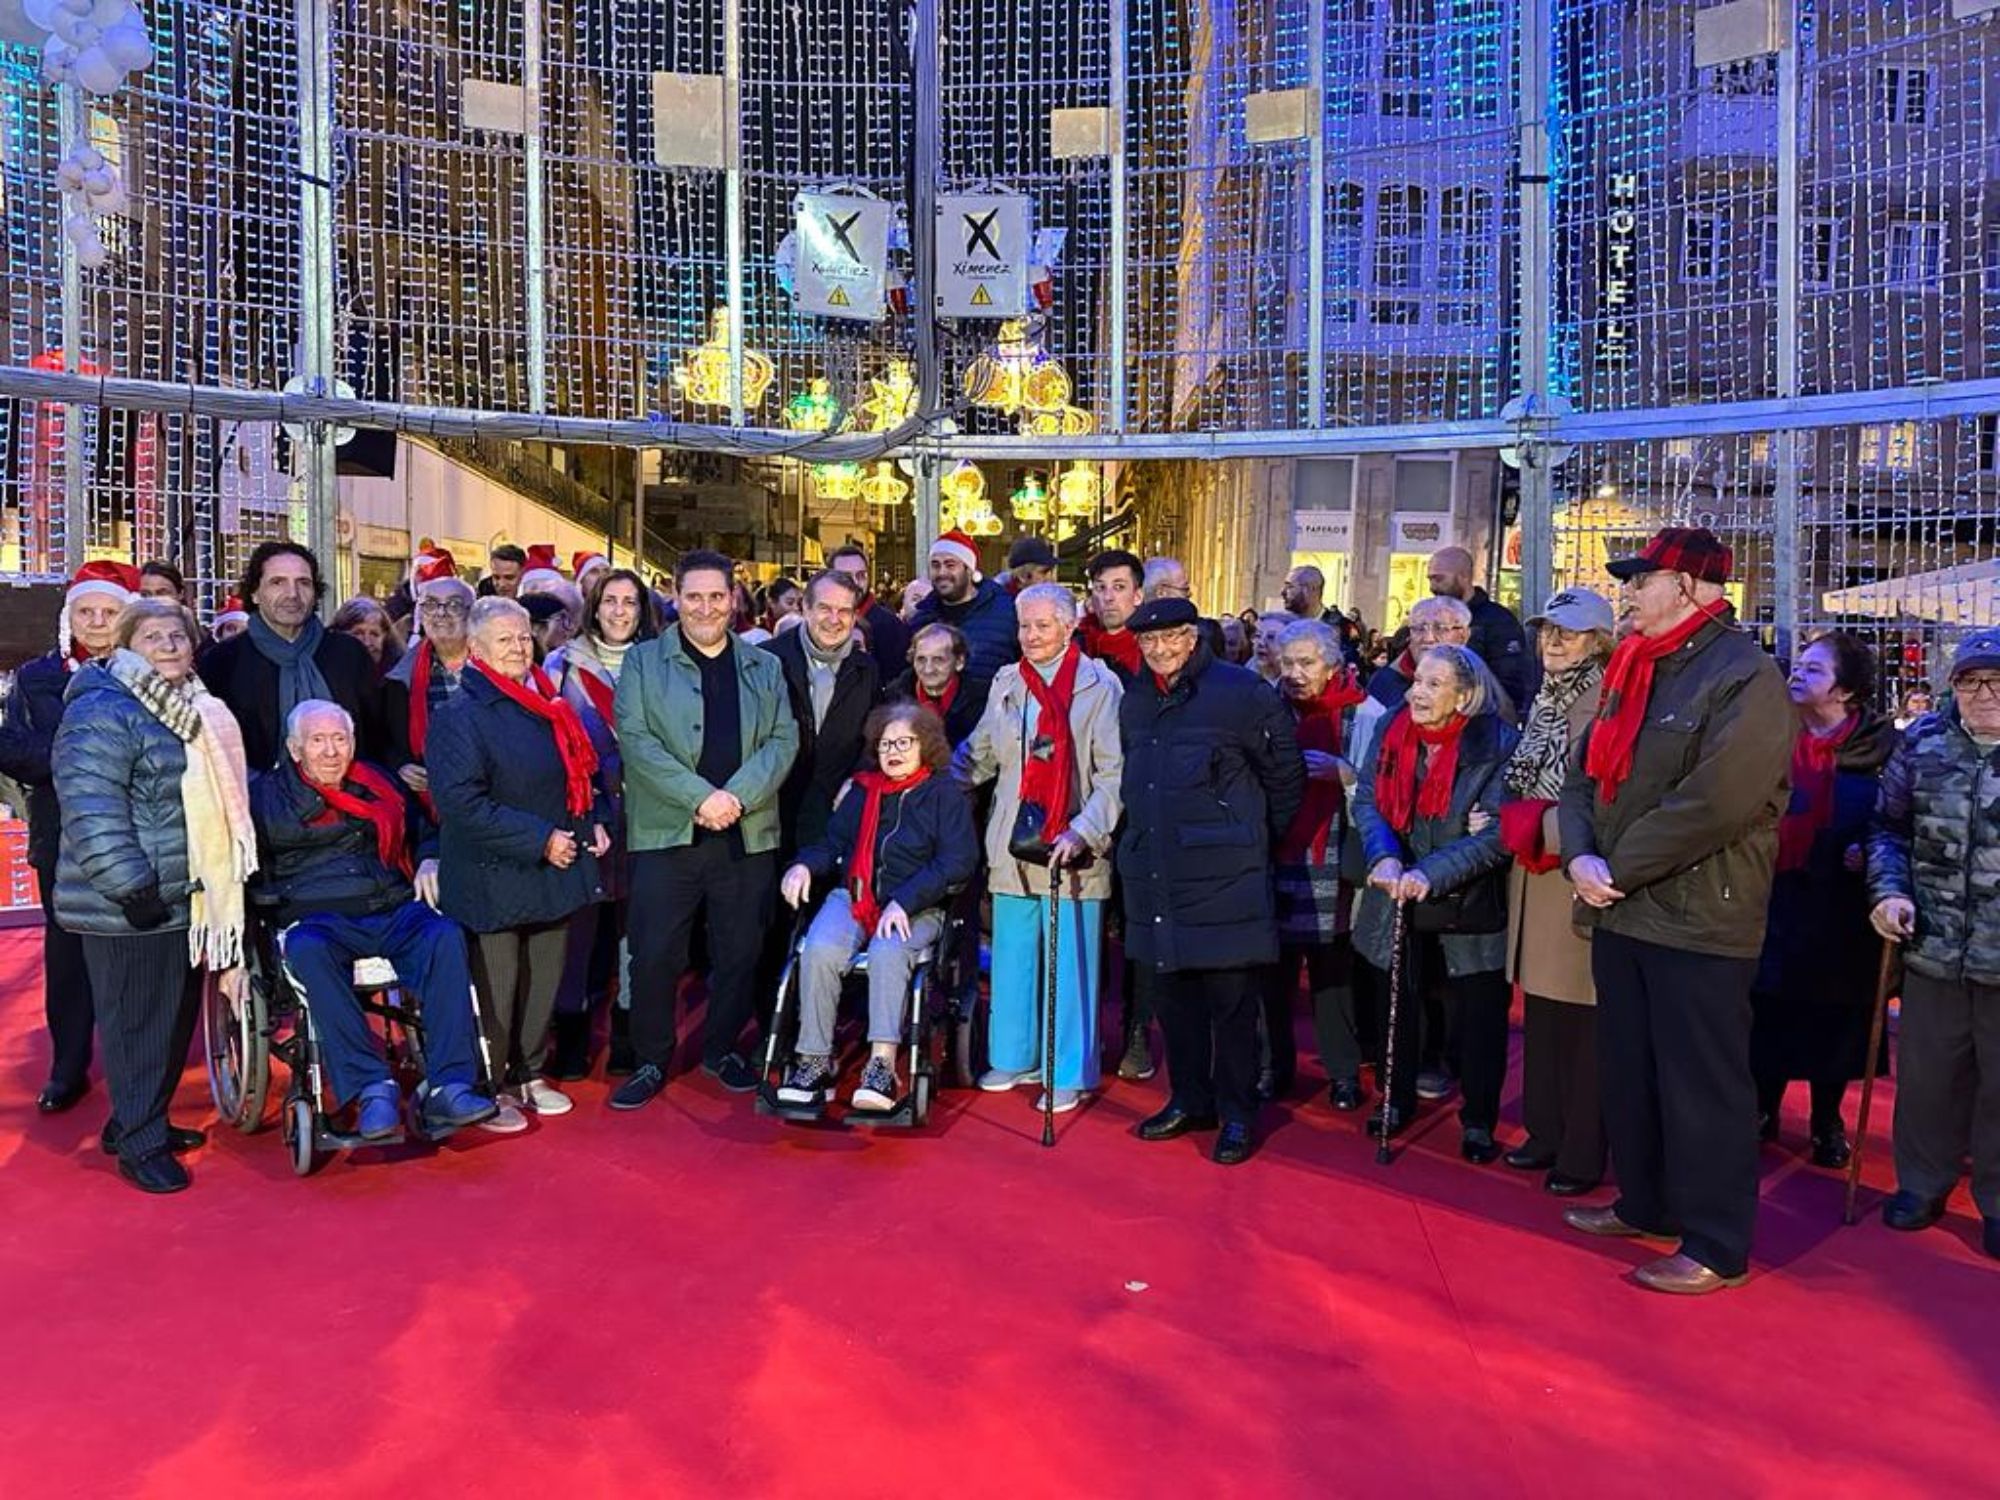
{"type": "Point", "coordinates": [420, 697]}
{"type": "Point", "coordinates": [572, 741]}
{"type": "Point", "coordinates": [1398, 797]}
{"type": "Point", "coordinates": [941, 704]}
{"type": "Point", "coordinates": [1628, 685]}
{"type": "Point", "coordinates": [1815, 759]}
{"type": "Point", "coordinates": [861, 870]}
{"type": "Point", "coordinates": [78, 655]}
{"type": "Point", "coordinates": [1046, 779]}
{"type": "Point", "coordinates": [1119, 647]}
{"type": "Point", "coordinates": [1319, 729]}
{"type": "Point", "coordinates": [375, 800]}
{"type": "Point", "coordinates": [1521, 834]}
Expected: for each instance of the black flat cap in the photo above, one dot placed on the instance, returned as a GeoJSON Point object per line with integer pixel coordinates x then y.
{"type": "Point", "coordinates": [1163, 614]}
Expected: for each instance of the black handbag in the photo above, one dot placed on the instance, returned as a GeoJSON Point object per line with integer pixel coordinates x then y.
{"type": "Point", "coordinates": [1029, 840]}
{"type": "Point", "coordinates": [1480, 907]}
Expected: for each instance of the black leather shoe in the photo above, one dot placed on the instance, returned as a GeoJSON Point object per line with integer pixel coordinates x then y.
{"type": "Point", "coordinates": [1529, 1158]}
{"type": "Point", "coordinates": [733, 1073]}
{"type": "Point", "coordinates": [1907, 1211]}
{"type": "Point", "coordinates": [1565, 1186]}
{"type": "Point", "coordinates": [1344, 1094]}
{"type": "Point", "coordinates": [1172, 1123]}
{"type": "Point", "coordinates": [1397, 1124]}
{"type": "Point", "coordinates": [1233, 1146]}
{"type": "Point", "coordinates": [637, 1091]}
{"type": "Point", "coordinates": [158, 1173]}
{"type": "Point", "coordinates": [180, 1140]}
{"type": "Point", "coordinates": [1830, 1148]}
{"type": "Point", "coordinates": [1477, 1146]}
{"type": "Point", "coordinates": [1990, 1240]}
{"type": "Point", "coordinates": [56, 1097]}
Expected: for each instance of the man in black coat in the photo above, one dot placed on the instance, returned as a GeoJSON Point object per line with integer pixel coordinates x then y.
{"type": "Point", "coordinates": [88, 628]}
{"type": "Point", "coordinates": [340, 882]}
{"type": "Point", "coordinates": [1212, 778]}
{"type": "Point", "coordinates": [1496, 632]}
{"type": "Point", "coordinates": [287, 656]}
{"type": "Point", "coordinates": [888, 636]}
{"type": "Point", "coordinates": [833, 683]}
{"type": "Point", "coordinates": [936, 680]}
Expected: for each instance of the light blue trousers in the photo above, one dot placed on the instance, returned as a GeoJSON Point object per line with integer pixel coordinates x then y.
{"type": "Point", "coordinates": [1014, 1028]}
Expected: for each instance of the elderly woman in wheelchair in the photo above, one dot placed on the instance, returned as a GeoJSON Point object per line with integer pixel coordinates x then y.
{"type": "Point", "coordinates": [342, 884]}
{"type": "Point", "coordinates": [900, 840]}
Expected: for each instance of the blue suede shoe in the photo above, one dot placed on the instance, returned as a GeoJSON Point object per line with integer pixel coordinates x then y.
{"type": "Point", "coordinates": [380, 1117]}
{"type": "Point", "coordinates": [455, 1106]}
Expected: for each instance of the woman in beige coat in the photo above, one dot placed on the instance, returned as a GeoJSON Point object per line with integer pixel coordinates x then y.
{"type": "Point", "coordinates": [1070, 768]}
{"type": "Point", "coordinates": [1559, 1090]}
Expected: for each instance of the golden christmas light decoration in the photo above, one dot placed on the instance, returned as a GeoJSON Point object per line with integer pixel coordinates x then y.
{"type": "Point", "coordinates": [963, 488]}
{"type": "Point", "coordinates": [892, 400]}
{"type": "Point", "coordinates": [814, 409]}
{"type": "Point", "coordinates": [836, 481]}
{"type": "Point", "coordinates": [1078, 490]}
{"type": "Point", "coordinates": [703, 377]}
{"type": "Point", "coordinates": [883, 488]}
{"type": "Point", "coordinates": [994, 379]}
{"type": "Point", "coordinates": [1031, 501]}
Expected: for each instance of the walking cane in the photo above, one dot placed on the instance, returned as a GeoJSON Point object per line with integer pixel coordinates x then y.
{"type": "Point", "coordinates": [1049, 977]}
{"type": "Point", "coordinates": [1382, 1154]}
{"type": "Point", "coordinates": [1884, 979]}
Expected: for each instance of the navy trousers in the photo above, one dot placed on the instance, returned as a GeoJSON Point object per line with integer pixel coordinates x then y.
{"type": "Point", "coordinates": [147, 1006]}
{"type": "Point", "coordinates": [428, 952]}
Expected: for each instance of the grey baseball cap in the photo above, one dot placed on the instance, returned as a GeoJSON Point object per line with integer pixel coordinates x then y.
{"type": "Point", "coordinates": [1577, 609]}
{"type": "Point", "coordinates": [1980, 649]}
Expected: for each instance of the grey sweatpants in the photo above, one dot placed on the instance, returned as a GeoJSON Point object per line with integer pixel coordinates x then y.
{"type": "Point", "coordinates": [1948, 1089]}
{"type": "Point", "coordinates": [829, 949]}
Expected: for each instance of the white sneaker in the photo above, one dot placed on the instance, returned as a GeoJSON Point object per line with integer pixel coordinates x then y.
{"type": "Point", "coordinates": [508, 1121]}
{"type": "Point", "coordinates": [999, 1080]}
{"type": "Point", "coordinates": [545, 1098]}
{"type": "Point", "coordinates": [1066, 1100]}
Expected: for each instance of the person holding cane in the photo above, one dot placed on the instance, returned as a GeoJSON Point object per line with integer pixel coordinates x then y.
{"type": "Point", "coordinates": [1934, 879]}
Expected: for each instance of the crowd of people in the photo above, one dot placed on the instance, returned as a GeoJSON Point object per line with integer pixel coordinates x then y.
{"type": "Point", "coordinates": [559, 805]}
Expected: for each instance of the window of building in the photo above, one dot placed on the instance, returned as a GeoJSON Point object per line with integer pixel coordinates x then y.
{"type": "Point", "coordinates": [1819, 249]}
{"type": "Point", "coordinates": [1346, 237]}
{"type": "Point", "coordinates": [1749, 78]}
{"type": "Point", "coordinates": [1986, 439]}
{"type": "Point", "coordinates": [1989, 269]}
{"type": "Point", "coordinates": [1903, 96]}
{"type": "Point", "coordinates": [1465, 230]}
{"type": "Point", "coordinates": [1703, 240]}
{"type": "Point", "coordinates": [1399, 236]}
{"type": "Point", "coordinates": [1916, 253]}
{"type": "Point", "coordinates": [1889, 446]}
{"type": "Point", "coordinates": [1410, 60]}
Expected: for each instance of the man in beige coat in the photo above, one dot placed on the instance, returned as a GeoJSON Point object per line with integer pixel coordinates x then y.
{"type": "Point", "coordinates": [1070, 769]}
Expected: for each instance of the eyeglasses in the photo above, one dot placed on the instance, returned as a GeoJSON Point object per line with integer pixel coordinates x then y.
{"type": "Point", "coordinates": [1172, 590]}
{"type": "Point", "coordinates": [1433, 632]}
{"type": "Point", "coordinates": [444, 607]}
{"type": "Point", "coordinates": [898, 746]}
{"type": "Point", "coordinates": [1977, 687]}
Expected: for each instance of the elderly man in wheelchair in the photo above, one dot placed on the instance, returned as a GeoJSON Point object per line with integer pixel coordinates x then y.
{"type": "Point", "coordinates": [901, 839]}
{"type": "Point", "coordinates": [342, 884]}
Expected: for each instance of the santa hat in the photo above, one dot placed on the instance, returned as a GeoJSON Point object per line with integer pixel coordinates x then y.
{"type": "Point", "coordinates": [231, 612]}
{"type": "Point", "coordinates": [431, 566]}
{"type": "Point", "coordinates": [581, 563]}
{"type": "Point", "coordinates": [957, 546]}
{"type": "Point", "coordinates": [113, 580]}
{"type": "Point", "coordinates": [541, 570]}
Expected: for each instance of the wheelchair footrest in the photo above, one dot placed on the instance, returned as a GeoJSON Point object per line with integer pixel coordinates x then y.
{"type": "Point", "coordinates": [768, 1103]}
{"type": "Point", "coordinates": [326, 1138]}
{"type": "Point", "coordinates": [902, 1117]}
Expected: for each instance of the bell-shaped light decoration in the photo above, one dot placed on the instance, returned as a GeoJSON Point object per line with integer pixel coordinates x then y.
{"type": "Point", "coordinates": [883, 488]}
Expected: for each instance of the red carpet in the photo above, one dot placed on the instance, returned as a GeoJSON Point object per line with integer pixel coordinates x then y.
{"type": "Point", "coordinates": [699, 1301]}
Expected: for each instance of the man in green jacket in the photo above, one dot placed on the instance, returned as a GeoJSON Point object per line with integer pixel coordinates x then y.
{"type": "Point", "coordinates": [1670, 826]}
{"type": "Point", "coordinates": [707, 734]}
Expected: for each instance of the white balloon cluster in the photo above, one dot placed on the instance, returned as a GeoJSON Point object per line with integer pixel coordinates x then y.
{"type": "Point", "coordinates": [92, 43]}
{"type": "Point", "coordinates": [91, 186]}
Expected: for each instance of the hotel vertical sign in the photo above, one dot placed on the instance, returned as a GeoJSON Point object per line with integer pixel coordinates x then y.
{"type": "Point", "coordinates": [1617, 277]}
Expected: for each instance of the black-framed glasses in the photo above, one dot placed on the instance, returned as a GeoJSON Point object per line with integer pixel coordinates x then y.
{"type": "Point", "coordinates": [898, 746]}
{"type": "Point", "coordinates": [444, 607]}
{"type": "Point", "coordinates": [1978, 687]}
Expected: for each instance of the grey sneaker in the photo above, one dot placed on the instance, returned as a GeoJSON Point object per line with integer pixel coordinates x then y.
{"type": "Point", "coordinates": [1137, 1063]}
{"type": "Point", "coordinates": [1066, 1100]}
{"type": "Point", "coordinates": [878, 1086]}
{"type": "Point", "coordinates": [999, 1080]}
{"type": "Point", "coordinates": [809, 1082]}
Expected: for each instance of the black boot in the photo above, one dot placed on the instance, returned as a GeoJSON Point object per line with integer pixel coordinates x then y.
{"type": "Point", "coordinates": [569, 1059]}
{"type": "Point", "coordinates": [621, 1060]}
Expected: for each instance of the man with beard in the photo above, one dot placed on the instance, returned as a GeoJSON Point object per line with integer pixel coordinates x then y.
{"type": "Point", "coordinates": [982, 611]}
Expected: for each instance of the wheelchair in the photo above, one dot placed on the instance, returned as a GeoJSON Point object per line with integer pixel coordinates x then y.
{"type": "Point", "coordinates": [923, 1044]}
{"type": "Point", "coordinates": [274, 1021]}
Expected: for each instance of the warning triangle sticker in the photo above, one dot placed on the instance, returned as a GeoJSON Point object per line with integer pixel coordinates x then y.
{"type": "Point", "coordinates": [981, 297]}
{"type": "Point", "coordinates": [837, 297]}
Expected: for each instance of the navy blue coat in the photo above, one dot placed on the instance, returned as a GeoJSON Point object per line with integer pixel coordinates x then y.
{"type": "Point", "coordinates": [1212, 778]}
{"type": "Point", "coordinates": [27, 735]}
{"type": "Point", "coordinates": [987, 622]}
{"type": "Point", "coordinates": [118, 773]}
{"type": "Point", "coordinates": [305, 865]}
{"type": "Point", "coordinates": [497, 781]}
{"type": "Point", "coordinates": [925, 844]}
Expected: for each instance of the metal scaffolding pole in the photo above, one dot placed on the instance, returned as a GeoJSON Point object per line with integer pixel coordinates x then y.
{"type": "Point", "coordinates": [1316, 222]}
{"type": "Point", "coordinates": [732, 196]}
{"type": "Point", "coordinates": [1788, 551]}
{"type": "Point", "coordinates": [1116, 396]}
{"type": "Point", "coordinates": [1533, 167]}
{"type": "Point", "coordinates": [314, 454]}
{"type": "Point", "coordinates": [534, 170]}
{"type": "Point", "coordinates": [73, 123]}
{"type": "Point", "coordinates": [927, 166]}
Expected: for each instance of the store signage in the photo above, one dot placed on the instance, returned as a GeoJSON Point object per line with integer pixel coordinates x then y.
{"type": "Point", "coordinates": [1617, 277]}
{"type": "Point", "coordinates": [983, 245]}
{"type": "Point", "coordinates": [1322, 531]}
{"type": "Point", "coordinates": [1419, 531]}
{"type": "Point", "coordinates": [843, 256]}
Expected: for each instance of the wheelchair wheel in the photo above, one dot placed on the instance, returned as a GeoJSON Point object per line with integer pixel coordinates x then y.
{"type": "Point", "coordinates": [237, 1042]}
{"type": "Point", "coordinates": [298, 1124]}
{"type": "Point", "coordinates": [920, 1098]}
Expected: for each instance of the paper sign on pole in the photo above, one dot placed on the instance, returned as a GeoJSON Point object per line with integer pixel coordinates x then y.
{"type": "Point", "coordinates": [983, 244]}
{"type": "Point", "coordinates": [843, 256]}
